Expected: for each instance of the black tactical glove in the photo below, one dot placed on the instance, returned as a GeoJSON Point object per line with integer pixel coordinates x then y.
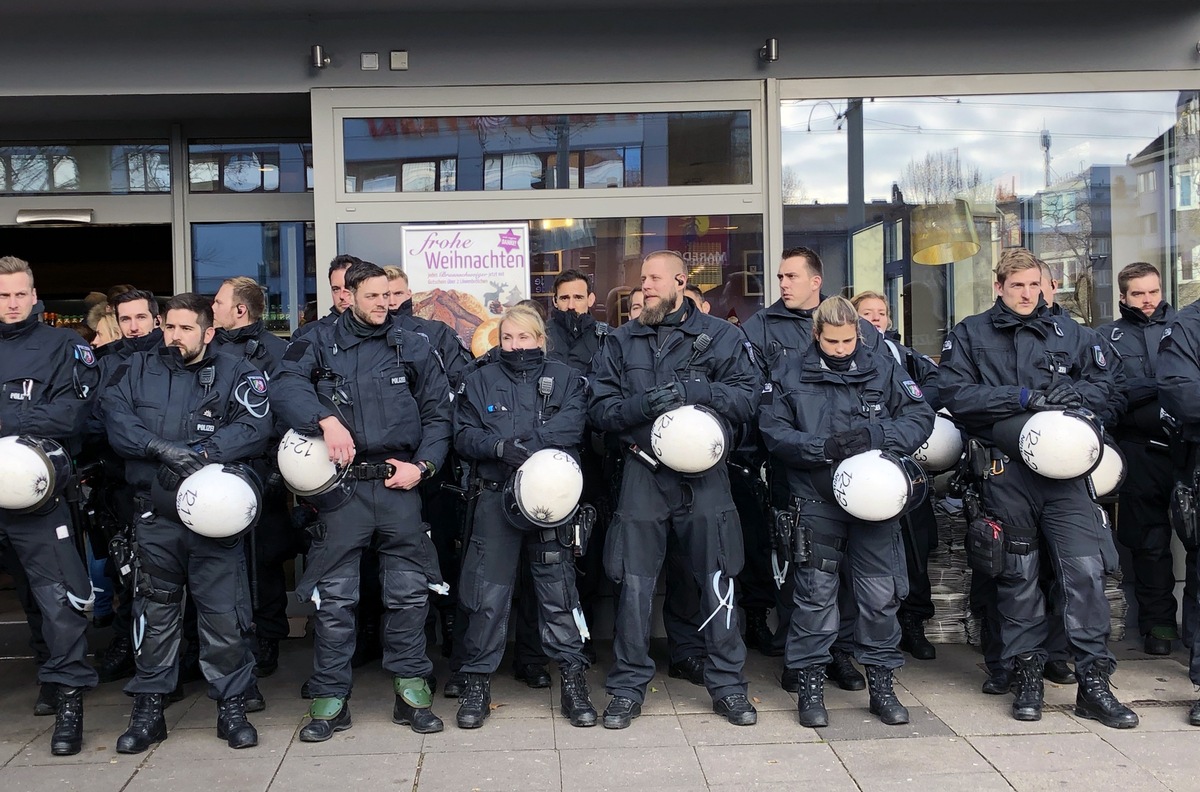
{"type": "Point", "coordinates": [176, 457]}
{"type": "Point", "coordinates": [1064, 395]}
{"type": "Point", "coordinates": [662, 399]}
{"type": "Point", "coordinates": [512, 452]}
{"type": "Point", "coordinates": [844, 445]}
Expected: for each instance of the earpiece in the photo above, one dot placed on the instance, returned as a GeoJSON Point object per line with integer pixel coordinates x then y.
{"type": "Point", "coordinates": [679, 279]}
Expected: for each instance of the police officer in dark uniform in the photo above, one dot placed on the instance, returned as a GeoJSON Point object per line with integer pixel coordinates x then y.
{"type": "Point", "coordinates": [170, 412]}
{"type": "Point", "coordinates": [505, 412]}
{"type": "Point", "coordinates": [47, 376]}
{"type": "Point", "coordinates": [337, 288]}
{"type": "Point", "coordinates": [781, 331]}
{"type": "Point", "coordinates": [237, 314]}
{"type": "Point", "coordinates": [919, 526]}
{"type": "Point", "coordinates": [1144, 499]}
{"type": "Point", "coordinates": [838, 401]}
{"type": "Point", "coordinates": [377, 396]}
{"type": "Point", "coordinates": [137, 318]}
{"type": "Point", "coordinates": [1012, 359]}
{"type": "Point", "coordinates": [1178, 378]}
{"type": "Point", "coordinates": [673, 355]}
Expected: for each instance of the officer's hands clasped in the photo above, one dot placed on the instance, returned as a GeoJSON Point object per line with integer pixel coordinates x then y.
{"type": "Point", "coordinates": [844, 445]}
{"type": "Point", "coordinates": [1060, 396]}
{"type": "Point", "coordinates": [662, 399]}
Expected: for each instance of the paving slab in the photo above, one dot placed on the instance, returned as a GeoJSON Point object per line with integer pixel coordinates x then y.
{"type": "Point", "coordinates": [1048, 753]}
{"type": "Point", "coordinates": [916, 756]}
{"type": "Point", "coordinates": [397, 771]}
{"type": "Point", "coordinates": [1095, 779]}
{"type": "Point", "coordinates": [244, 775]}
{"type": "Point", "coordinates": [772, 727]}
{"type": "Point", "coordinates": [647, 731]}
{"type": "Point", "coordinates": [599, 770]}
{"type": "Point", "coordinates": [966, 782]}
{"type": "Point", "coordinates": [812, 764]}
{"type": "Point", "coordinates": [494, 771]}
{"type": "Point", "coordinates": [66, 778]}
{"type": "Point", "coordinates": [860, 724]}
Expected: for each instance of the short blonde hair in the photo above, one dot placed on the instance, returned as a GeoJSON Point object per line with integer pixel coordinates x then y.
{"type": "Point", "coordinates": [527, 319]}
{"type": "Point", "coordinates": [834, 311]}
{"type": "Point", "coordinates": [395, 273]}
{"type": "Point", "coordinates": [1016, 260]}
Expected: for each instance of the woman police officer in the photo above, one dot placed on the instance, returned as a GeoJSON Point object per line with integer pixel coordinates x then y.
{"type": "Point", "coordinates": [506, 411]}
{"type": "Point", "coordinates": [838, 400]}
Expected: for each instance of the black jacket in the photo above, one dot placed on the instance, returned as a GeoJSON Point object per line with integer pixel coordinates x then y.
{"type": "Point", "coordinates": [1178, 370]}
{"type": "Point", "coordinates": [501, 401]}
{"type": "Point", "coordinates": [454, 357]}
{"type": "Point", "coordinates": [777, 332]}
{"type": "Point", "coordinates": [48, 375]}
{"type": "Point", "coordinates": [990, 358]}
{"type": "Point", "coordinates": [637, 358]}
{"type": "Point", "coordinates": [575, 339]}
{"type": "Point", "coordinates": [254, 343]}
{"type": "Point", "coordinates": [325, 321]}
{"type": "Point", "coordinates": [920, 368]}
{"type": "Point", "coordinates": [1135, 338]}
{"type": "Point", "coordinates": [154, 395]}
{"type": "Point", "coordinates": [808, 402]}
{"type": "Point", "coordinates": [389, 388]}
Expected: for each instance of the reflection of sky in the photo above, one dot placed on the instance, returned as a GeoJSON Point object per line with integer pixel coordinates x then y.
{"type": "Point", "coordinates": [1001, 135]}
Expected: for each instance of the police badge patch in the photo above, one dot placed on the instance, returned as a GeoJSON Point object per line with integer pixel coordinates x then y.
{"type": "Point", "coordinates": [85, 355]}
{"type": "Point", "coordinates": [1098, 354]}
{"type": "Point", "coordinates": [947, 345]}
{"type": "Point", "coordinates": [258, 384]}
{"type": "Point", "coordinates": [913, 389]}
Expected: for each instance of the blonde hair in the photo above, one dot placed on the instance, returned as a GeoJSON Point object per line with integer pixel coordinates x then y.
{"type": "Point", "coordinates": [525, 318]}
{"type": "Point", "coordinates": [834, 311]}
{"type": "Point", "coordinates": [395, 273]}
{"type": "Point", "coordinates": [11, 265]}
{"type": "Point", "coordinates": [106, 325]}
{"type": "Point", "coordinates": [863, 296]}
{"type": "Point", "coordinates": [1016, 260]}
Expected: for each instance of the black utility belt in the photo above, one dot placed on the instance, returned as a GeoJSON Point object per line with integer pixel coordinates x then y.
{"type": "Point", "coordinates": [371, 471]}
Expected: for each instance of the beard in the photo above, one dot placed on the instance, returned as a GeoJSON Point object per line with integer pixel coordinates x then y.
{"type": "Point", "coordinates": [189, 354]}
{"type": "Point", "coordinates": [366, 318]}
{"type": "Point", "coordinates": [654, 314]}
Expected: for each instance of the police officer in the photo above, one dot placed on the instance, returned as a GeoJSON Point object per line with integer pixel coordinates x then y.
{"type": "Point", "coordinates": [781, 331]}
{"type": "Point", "coordinates": [673, 355]}
{"type": "Point", "coordinates": [377, 396]}
{"type": "Point", "coordinates": [838, 401]}
{"type": "Point", "coordinates": [1178, 377]}
{"type": "Point", "coordinates": [47, 376]}
{"type": "Point", "coordinates": [1144, 499]}
{"type": "Point", "coordinates": [1005, 362]}
{"type": "Point", "coordinates": [506, 411]}
{"type": "Point", "coordinates": [237, 315]}
{"type": "Point", "coordinates": [337, 288]}
{"type": "Point", "coordinates": [169, 412]}
{"type": "Point", "coordinates": [919, 526]}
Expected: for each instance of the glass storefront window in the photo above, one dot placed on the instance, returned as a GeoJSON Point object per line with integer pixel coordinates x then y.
{"type": "Point", "coordinates": [280, 256]}
{"type": "Point", "coordinates": [1088, 182]}
{"type": "Point", "coordinates": [547, 152]}
{"type": "Point", "coordinates": [724, 255]}
{"type": "Point", "coordinates": [92, 169]}
{"type": "Point", "coordinates": [249, 167]}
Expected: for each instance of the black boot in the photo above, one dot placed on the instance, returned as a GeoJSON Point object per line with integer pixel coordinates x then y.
{"type": "Point", "coordinates": [811, 705]}
{"type": "Point", "coordinates": [67, 739]}
{"type": "Point", "coordinates": [790, 680]}
{"type": "Point", "coordinates": [455, 685]}
{"type": "Point", "coordinates": [254, 698]}
{"type": "Point", "coordinates": [737, 709]}
{"type": "Point", "coordinates": [1094, 699]}
{"type": "Point", "coordinates": [47, 700]}
{"type": "Point", "coordinates": [266, 658]}
{"type": "Point", "coordinates": [232, 725]}
{"type": "Point", "coordinates": [1058, 672]}
{"type": "Point", "coordinates": [841, 672]}
{"type": "Point", "coordinates": [116, 662]}
{"type": "Point", "coordinates": [1194, 714]}
{"type": "Point", "coordinates": [1030, 692]}
{"type": "Point", "coordinates": [689, 668]}
{"type": "Point", "coordinates": [575, 701]}
{"type": "Point", "coordinates": [146, 724]}
{"type": "Point", "coordinates": [883, 699]}
{"type": "Point", "coordinates": [758, 634]}
{"type": "Point", "coordinates": [475, 703]}
{"type": "Point", "coordinates": [327, 715]}
{"type": "Point", "coordinates": [998, 682]}
{"type": "Point", "coordinates": [620, 712]}
{"type": "Point", "coordinates": [912, 637]}
{"type": "Point", "coordinates": [414, 705]}
{"type": "Point", "coordinates": [447, 631]}
{"type": "Point", "coordinates": [534, 675]}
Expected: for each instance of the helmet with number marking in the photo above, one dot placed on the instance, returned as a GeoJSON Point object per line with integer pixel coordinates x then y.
{"type": "Point", "coordinates": [544, 491]}
{"type": "Point", "coordinates": [943, 449]}
{"type": "Point", "coordinates": [689, 439]}
{"type": "Point", "coordinates": [33, 473]}
{"type": "Point", "coordinates": [219, 501]}
{"type": "Point", "coordinates": [877, 486]}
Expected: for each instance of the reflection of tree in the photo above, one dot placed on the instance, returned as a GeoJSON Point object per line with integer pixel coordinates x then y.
{"type": "Point", "coordinates": [1187, 206]}
{"type": "Point", "coordinates": [86, 169]}
{"type": "Point", "coordinates": [1065, 242]}
{"type": "Point", "coordinates": [938, 178]}
{"type": "Point", "coordinates": [794, 191]}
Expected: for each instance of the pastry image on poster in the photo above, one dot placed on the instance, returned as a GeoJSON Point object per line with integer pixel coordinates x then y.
{"type": "Point", "coordinates": [467, 275]}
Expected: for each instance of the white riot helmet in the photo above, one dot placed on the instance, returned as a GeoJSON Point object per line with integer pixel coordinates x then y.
{"type": "Point", "coordinates": [1058, 444]}
{"type": "Point", "coordinates": [1110, 473]}
{"type": "Point", "coordinates": [877, 486]}
{"type": "Point", "coordinates": [307, 471]}
{"type": "Point", "coordinates": [689, 439]}
{"type": "Point", "coordinates": [943, 449]}
{"type": "Point", "coordinates": [33, 473]}
{"type": "Point", "coordinates": [219, 501]}
{"type": "Point", "coordinates": [544, 492]}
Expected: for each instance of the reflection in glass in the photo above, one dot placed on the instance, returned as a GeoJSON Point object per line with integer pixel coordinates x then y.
{"type": "Point", "coordinates": [280, 256]}
{"type": "Point", "coordinates": [535, 152]}
{"type": "Point", "coordinates": [98, 169]}
{"type": "Point", "coordinates": [1088, 182]}
{"type": "Point", "coordinates": [724, 255]}
{"type": "Point", "coordinates": [249, 167]}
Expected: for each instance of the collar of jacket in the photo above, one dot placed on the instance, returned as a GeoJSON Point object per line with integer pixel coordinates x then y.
{"type": "Point", "coordinates": [19, 328]}
{"type": "Point", "coordinates": [1136, 317]}
{"type": "Point", "coordinates": [575, 324]}
{"type": "Point", "coordinates": [813, 368]}
{"type": "Point", "coordinates": [174, 361]}
{"type": "Point", "coordinates": [690, 325]}
{"type": "Point", "coordinates": [778, 310]}
{"type": "Point", "coordinates": [347, 338]}
{"type": "Point", "coordinates": [1004, 318]}
{"type": "Point", "coordinates": [240, 335]}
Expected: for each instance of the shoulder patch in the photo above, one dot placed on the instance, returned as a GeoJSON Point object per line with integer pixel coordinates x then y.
{"type": "Point", "coordinates": [295, 350]}
{"type": "Point", "coordinates": [117, 374]}
{"type": "Point", "coordinates": [85, 355]}
{"type": "Point", "coordinates": [913, 389]}
{"type": "Point", "coordinates": [947, 345]}
{"type": "Point", "coordinates": [1098, 355]}
{"type": "Point", "coordinates": [258, 383]}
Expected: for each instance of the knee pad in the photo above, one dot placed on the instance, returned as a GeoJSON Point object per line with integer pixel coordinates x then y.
{"type": "Point", "coordinates": [403, 588]}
